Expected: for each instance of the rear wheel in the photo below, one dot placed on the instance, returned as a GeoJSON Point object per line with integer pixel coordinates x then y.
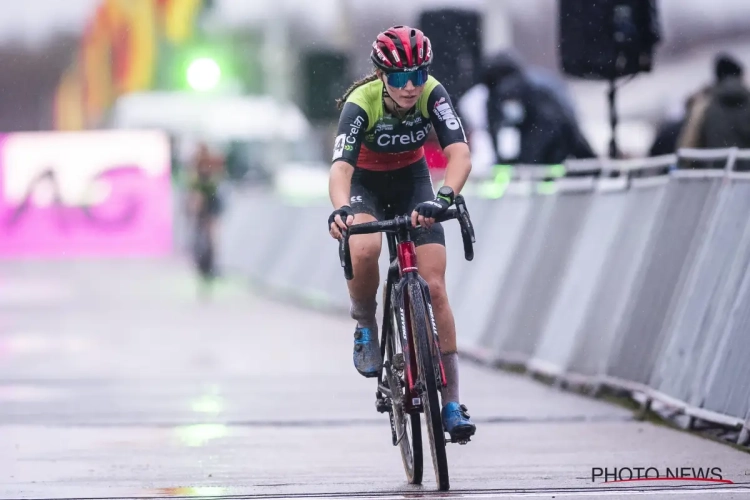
{"type": "Point", "coordinates": [408, 428]}
{"type": "Point", "coordinates": [203, 250]}
{"type": "Point", "coordinates": [430, 398]}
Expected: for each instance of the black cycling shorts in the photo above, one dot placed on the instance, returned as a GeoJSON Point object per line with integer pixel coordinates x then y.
{"type": "Point", "coordinates": [386, 194]}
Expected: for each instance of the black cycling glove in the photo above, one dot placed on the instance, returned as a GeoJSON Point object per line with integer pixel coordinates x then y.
{"type": "Point", "coordinates": [432, 209]}
{"type": "Point", "coordinates": [344, 212]}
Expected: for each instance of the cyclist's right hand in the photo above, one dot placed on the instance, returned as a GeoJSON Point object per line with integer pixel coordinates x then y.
{"type": "Point", "coordinates": [337, 218]}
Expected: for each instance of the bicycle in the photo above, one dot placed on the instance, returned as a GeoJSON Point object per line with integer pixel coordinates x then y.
{"type": "Point", "coordinates": [203, 249]}
{"type": "Point", "coordinates": [202, 246]}
{"type": "Point", "coordinates": [413, 371]}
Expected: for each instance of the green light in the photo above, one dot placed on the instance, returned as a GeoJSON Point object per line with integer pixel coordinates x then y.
{"type": "Point", "coordinates": [197, 435]}
{"type": "Point", "coordinates": [557, 170]}
{"type": "Point", "coordinates": [208, 404]}
{"type": "Point", "coordinates": [203, 74]}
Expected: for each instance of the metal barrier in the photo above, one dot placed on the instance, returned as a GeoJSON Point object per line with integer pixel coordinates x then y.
{"type": "Point", "coordinates": [460, 273]}
{"type": "Point", "coordinates": [570, 204]}
{"type": "Point", "coordinates": [240, 248]}
{"type": "Point", "coordinates": [493, 249]}
{"type": "Point", "coordinates": [624, 256]}
{"type": "Point", "coordinates": [587, 262]}
{"type": "Point", "coordinates": [688, 203]}
{"type": "Point", "coordinates": [509, 299]}
{"type": "Point", "coordinates": [727, 391]}
{"type": "Point", "coordinates": [628, 274]}
{"type": "Point", "coordinates": [702, 305]}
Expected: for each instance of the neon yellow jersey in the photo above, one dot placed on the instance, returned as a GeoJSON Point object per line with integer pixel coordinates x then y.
{"type": "Point", "coordinates": [370, 137]}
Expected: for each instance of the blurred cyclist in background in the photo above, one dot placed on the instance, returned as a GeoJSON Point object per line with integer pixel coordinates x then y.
{"type": "Point", "coordinates": [204, 206]}
{"type": "Point", "coordinates": [379, 171]}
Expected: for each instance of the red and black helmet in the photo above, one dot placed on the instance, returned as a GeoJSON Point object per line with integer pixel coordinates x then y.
{"type": "Point", "coordinates": [401, 48]}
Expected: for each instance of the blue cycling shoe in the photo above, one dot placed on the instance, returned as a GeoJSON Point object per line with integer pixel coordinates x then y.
{"type": "Point", "coordinates": [367, 358]}
{"type": "Point", "coordinates": [457, 422]}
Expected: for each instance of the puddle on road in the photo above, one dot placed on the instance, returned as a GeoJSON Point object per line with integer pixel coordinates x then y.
{"type": "Point", "coordinates": [200, 434]}
{"type": "Point", "coordinates": [198, 491]}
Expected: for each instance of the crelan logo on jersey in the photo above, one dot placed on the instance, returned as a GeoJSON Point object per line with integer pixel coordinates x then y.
{"type": "Point", "coordinates": [345, 141]}
{"type": "Point", "coordinates": [356, 125]}
{"type": "Point", "coordinates": [444, 113]}
{"type": "Point", "coordinates": [403, 139]}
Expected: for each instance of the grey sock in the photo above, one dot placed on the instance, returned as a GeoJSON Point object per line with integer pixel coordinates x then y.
{"type": "Point", "coordinates": [364, 313]}
{"type": "Point", "coordinates": [450, 391]}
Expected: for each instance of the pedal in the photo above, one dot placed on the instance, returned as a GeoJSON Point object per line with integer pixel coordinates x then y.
{"type": "Point", "coordinates": [383, 405]}
{"type": "Point", "coordinates": [398, 361]}
{"type": "Point", "coordinates": [419, 387]}
{"type": "Point", "coordinates": [462, 439]}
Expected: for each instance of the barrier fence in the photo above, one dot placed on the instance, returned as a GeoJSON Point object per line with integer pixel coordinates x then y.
{"type": "Point", "coordinates": [626, 274]}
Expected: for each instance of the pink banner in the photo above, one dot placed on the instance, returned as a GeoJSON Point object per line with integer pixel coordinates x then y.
{"type": "Point", "coordinates": [74, 194]}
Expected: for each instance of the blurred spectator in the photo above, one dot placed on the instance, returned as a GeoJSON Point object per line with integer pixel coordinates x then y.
{"type": "Point", "coordinates": [719, 114]}
{"type": "Point", "coordinates": [726, 122]}
{"type": "Point", "coordinates": [527, 114]}
{"type": "Point", "coordinates": [668, 132]}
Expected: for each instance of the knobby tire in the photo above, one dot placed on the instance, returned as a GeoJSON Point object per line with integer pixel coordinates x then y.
{"type": "Point", "coordinates": [411, 450]}
{"type": "Point", "coordinates": [423, 342]}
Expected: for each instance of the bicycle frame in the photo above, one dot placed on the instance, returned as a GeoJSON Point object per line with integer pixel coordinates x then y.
{"type": "Point", "coordinates": [403, 269]}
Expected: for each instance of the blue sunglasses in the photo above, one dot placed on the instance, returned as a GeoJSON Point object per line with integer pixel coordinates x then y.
{"type": "Point", "coordinates": [400, 79]}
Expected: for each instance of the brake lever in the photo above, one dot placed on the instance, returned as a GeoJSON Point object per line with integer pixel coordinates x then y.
{"type": "Point", "coordinates": [341, 246]}
{"type": "Point", "coordinates": [464, 218]}
{"type": "Point", "coordinates": [344, 256]}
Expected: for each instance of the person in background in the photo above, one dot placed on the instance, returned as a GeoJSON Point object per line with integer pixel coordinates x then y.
{"type": "Point", "coordinates": [668, 131]}
{"type": "Point", "coordinates": [718, 113]}
{"type": "Point", "coordinates": [726, 120]}
{"type": "Point", "coordinates": [527, 115]}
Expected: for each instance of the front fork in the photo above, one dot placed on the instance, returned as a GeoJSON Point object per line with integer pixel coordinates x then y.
{"type": "Point", "coordinates": [402, 271]}
{"type": "Point", "coordinates": [403, 332]}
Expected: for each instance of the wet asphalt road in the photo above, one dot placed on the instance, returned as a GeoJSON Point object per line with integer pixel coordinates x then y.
{"type": "Point", "coordinates": [115, 382]}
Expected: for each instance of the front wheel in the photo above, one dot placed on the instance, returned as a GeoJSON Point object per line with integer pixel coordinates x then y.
{"type": "Point", "coordinates": [430, 397]}
{"type": "Point", "coordinates": [407, 425]}
{"type": "Point", "coordinates": [203, 251]}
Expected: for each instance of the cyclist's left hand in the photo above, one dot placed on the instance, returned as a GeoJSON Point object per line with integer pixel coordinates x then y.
{"type": "Point", "coordinates": [424, 214]}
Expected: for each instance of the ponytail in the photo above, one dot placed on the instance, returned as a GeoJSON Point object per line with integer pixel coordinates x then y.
{"type": "Point", "coordinates": [367, 79]}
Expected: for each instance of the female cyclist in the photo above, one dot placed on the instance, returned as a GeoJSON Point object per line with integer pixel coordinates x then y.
{"type": "Point", "coordinates": [379, 171]}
